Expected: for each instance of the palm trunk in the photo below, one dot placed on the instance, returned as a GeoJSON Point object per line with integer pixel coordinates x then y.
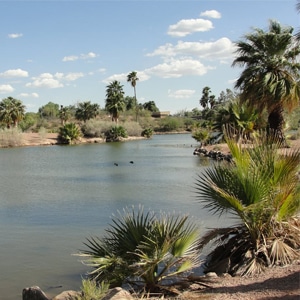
{"type": "Point", "coordinates": [275, 124]}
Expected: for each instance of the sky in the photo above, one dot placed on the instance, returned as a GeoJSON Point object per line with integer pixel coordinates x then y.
{"type": "Point", "coordinates": [68, 51]}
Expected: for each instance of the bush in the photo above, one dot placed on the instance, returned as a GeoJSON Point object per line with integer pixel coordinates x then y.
{"type": "Point", "coordinates": [10, 137]}
{"type": "Point", "coordinates": [171, 124]}
{"type": "Point", "coordinates": [143, 248]}
{"type": "Point", "coordinates": [148, 132]}
{"type": "Point", "coordinates": [115, 134]}
{"type": "Point", "coordinates": [132, 128]}
{"type": "Point", "coordinates": [96, 128]}
{"type": "Point", "coordinates": [69, 133]}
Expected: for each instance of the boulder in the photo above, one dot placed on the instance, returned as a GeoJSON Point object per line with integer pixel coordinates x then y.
{"type": "Point", "coordinates": [118, 294]}
{"type": "Point", "coordinates": [34, 293]}
{"type": "Point", "coordinates": [67, 295]}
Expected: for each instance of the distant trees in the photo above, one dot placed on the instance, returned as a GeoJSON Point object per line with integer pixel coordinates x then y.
{"type": "Point", "coordinates": [12, 111]}
{"type": "Point", "coordinates": [114, 99]}
{"type": "Point", "coordinates": [50, 110]}
{"type": "Point", "coordinates": [151, 106]}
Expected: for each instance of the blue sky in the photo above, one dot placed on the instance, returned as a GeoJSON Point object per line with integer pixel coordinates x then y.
{"type": "Point", "coordinates": [69, 51]}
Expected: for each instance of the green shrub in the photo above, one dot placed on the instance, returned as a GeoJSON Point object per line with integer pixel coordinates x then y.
{"type": "Point", "coordinates": [143, 248]}
{"type": "Point", "coordinates": [148, 132]}
{"type": "Point", "coordinates": [69, 133]}
{"type": "Point", "coordinates": [132, 128]}
{"type": "Point", "coordinates": [171, 124]}
{"type": "Point", "coordinates": [91, 291]}
{"type": "Point", "coordinates": [96, 128]}
{"type": "Point", "coordinates": [115, 134]}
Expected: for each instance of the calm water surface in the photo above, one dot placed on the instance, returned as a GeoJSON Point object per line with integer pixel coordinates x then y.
{"type": "Point", "coordinates": [52, 198]}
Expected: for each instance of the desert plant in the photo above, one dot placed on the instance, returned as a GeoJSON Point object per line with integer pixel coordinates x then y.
{"type": "Point", "coordinates": [148, 132]}
{"type": "Point", "coordinates": [115, 133]}
{"type": "Point", "coordinates": [10, 137]}
{"type": "Point", "coordinates": [143, 248]}
{"type": "Point", "coordinates": [69, 133]}
{"type": "Point", "coordinates": [90, 290]}
{"type": "Point", "coordinates": [261, 189]}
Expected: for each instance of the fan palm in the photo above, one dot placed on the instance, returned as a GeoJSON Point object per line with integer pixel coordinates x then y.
{"type": "Point", "coordinates": [142, 247]}
{"type": "Point", "coordinates": [261, 189]}
{"type": "Point", "coordinates": [86, 111]}
{"type": "Point", "coordinates": [115, 99]}
{"type": "Point", "coordinates": [12, 111]}
{"type": "Point", "coordinates": [270, 78]}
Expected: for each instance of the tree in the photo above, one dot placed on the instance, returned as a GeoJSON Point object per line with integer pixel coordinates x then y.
{"type": "Point", "coordinates": [298, 9]}
{"type": "Point", "coordinates": [12, 111]}
{"type": "Point", "coordinates": [260, 189]}
{"type": "Point", "coordinates": [132, 78]}
{"type": "Point", "coordinates": [50, 110]}
{"type": "Point", "coordinates": [270, 78]}
{"type": "Point", "coordinates": [151, 106]}
{"type": "Point", "coordinates": [115, 99]}
{"type": "Point", "coordinates": [205, 97]}
{"type": "Point", "coordinates": [64, 114]}
{"type": "Point", "coordinates": [86, 111]}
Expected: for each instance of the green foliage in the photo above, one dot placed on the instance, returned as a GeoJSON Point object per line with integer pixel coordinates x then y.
{"type": "Point", "coordinates": [91, 291]}
{"type": "Point", "coordinates": [69, 133]}
{"type": "Point", "coordinates": [132, 128]}
{"type": "Point", "coordinates": [115, 134]}
{"type": "Point", "coordinates": [171, 124]}
{"type": "Point", "coordinates": [49, 111]}
{"type": "Point", "coordinates": [151, 106]}
{"type": "Point", "coordinates": [30, 119]}
{"type": "Point", "coordinates": [140, 246]}
{"type": "Point", "coordinates": [148, 132]}
{"type": "Point", "coordinates": [86, 111]}
{"type": "Point", "coordinates": [114, 102]}
{"type": "Point", "coordinates": [12, 111]}
{"type": "Point", "coordinates": [261, 189]}
{"type": "Point", "coordinates": [201, 135]}
{"type": "Point", "coordinates": [96, 128]}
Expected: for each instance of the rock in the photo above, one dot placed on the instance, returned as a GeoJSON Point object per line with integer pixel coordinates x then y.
{"type": "Point", "coordinates": [34, 293]}
{"type": "Point", "coordinates": [67, 295]}
{"type": "Point", "coordinates": [211, 275]}
{"type": "Point", "coordinates": [118, 294]}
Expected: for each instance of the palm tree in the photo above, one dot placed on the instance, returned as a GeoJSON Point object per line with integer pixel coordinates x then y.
{"type": "Point", "coordinates": [86, 111]}
{"type": "Point", "coordinates": [132, 78]}
{"type": "Point", "coordinates": [115, 99]}
{"type": "Point", "coordinates": [260, 189]}
{"type": "Point", "coordinates": [141, 247]}
{"type": "Point", "coordinates": [12, 111]}
{"type": "Point", "coordinates": [298, 8]}
{"type": "Point", "coordinates": [64, 114]}
{"type": "Point", "coordinates": [270, 78]}
{"type": "Point", "coordinates": [205, 97]}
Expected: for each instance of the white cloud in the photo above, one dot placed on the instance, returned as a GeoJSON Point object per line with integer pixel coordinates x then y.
{"type": "Point", "coordinates": [6, 88]}
{"type": "Point", "coordinates": [73, 76]}
{"type": "Point", "coordinates": [14, 73]}
{"type": "Point", "coordinates": [181, 94]}
{"type": "Point", "coordinates": [186, 27]}
{"type": "Point", "coordinates": [15, 35]}
{"type": "Point", "coordinates": [81, 56]}
{"type": "Point", "coordinates": [26, 95]}
{"type": "Point", "coordinates": [142, 76]}
{"type": "Point", "coordinates": [70, 58]}
{"type": "Point", "coordinates": [217, 50]}
{"type": "Point", "coordinates": [45, 80]}
{"type": "Point", "coordinates": [211, 14]}
{"type": "Point", "coordinates": [178, 68]}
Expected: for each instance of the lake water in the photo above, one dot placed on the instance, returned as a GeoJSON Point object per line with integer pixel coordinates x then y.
{"type": "Point", "coordinates": [53, 197]}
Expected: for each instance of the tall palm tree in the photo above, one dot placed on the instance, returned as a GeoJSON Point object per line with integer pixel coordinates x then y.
{"type": "Point", "coordinates": [205, 97]}
{"type": "Point", "coordinates": [298, 9]}
{"type": "Point", "coordinates": [12, 111]}
{"type": "Point", "coordinates": [115, 99]}
{"type": "Point", "coordinates": [270, 78]}
{"type": "Point", "coordinates": [132, 78]}
{"type": "Point", "coordinates": [261, 191]}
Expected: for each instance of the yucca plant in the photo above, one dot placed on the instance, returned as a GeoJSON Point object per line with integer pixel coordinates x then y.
{"type": "Point", "coordinates": [142, 248]}
{"type": "Point", "coordinates": [69, 133]}
{"type": "Point", "coordinates": [261, 189]}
